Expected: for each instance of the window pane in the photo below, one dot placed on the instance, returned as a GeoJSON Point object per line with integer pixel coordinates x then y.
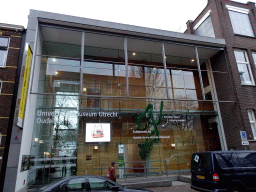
{"type": "Point", "coordinates": [254, 57]}
{"type": "Point", "coordinates": [179, 94]}
{"type": "Point", "coordinates": [244, 74]}
{"type": "Point", "coordinates": [3, 54]}
{"type": "Point", "coordinates": [189, 80]}
{"type": "Point", "coordinates": [246, 159]}
{"type": "Point", "coordinates": [178, 81]}
{"type": "Point", "coordinates": [191, 94]}
{"type": "Point", "coordinates": [240, 56]}
{"type": "Point", "coordinates": [227, 160]}
{"type": "Point", "coordinates": [76, 184]}
{"type": "Point", "coordinates": [99, 184]}
{"type": "Point", "coordinates": [4, 42]}
{"type": "Point", "coordinates": [146, 81]}
{"type": "Point", "coordinates": [241, 23]}
{"type": "Point", "coordinates": [250, 114]}
{"type": "Point", "coordinates": [206, 28]}
{"type": "Point", "coordinates": [61, 42]}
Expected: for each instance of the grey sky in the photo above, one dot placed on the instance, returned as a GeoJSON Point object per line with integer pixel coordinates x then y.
{"type": "Point", "coordinates": [169, 15]}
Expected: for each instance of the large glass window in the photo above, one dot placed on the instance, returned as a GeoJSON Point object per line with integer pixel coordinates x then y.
{"type": "Point", "coordinates": [241, 22]}
{"type": "Point", "coordinates": [252, 122]}
{"type": "Point", "coordinates": [146, 72]}
{"type": "Point", "coordinates": [61, 43]}
{"type": "Point", "coordinates": [103, 68]}
{"type": "Point", "coordinates": [183, 75]}
{"type": "Point", "coordinates": [244, 68]}
{"type": "Point", "coordinates": [206, 28]}
{"type": "Point", "coordinates": [4, 42]}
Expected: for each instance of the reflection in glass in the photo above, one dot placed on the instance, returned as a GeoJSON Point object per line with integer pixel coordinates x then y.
{"type": "Point", "coordinates": [58, 75]}
{"type": "Point", "coordinates": [244, 73]}
{"type": "Point", "coordinates": [182, 84]}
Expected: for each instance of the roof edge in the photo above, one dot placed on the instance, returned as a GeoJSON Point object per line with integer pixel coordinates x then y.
{"type": "Point", "coordinates": [11, 27]}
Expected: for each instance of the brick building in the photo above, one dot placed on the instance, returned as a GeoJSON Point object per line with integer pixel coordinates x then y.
{"type": "Point", "coordinates": [236, 23]}
{"type": "Point", "coordinates": [10, 51]}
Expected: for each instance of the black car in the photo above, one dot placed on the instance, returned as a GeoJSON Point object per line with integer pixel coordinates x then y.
{"type": "Point", "coordinates": [85, 183]}
{"type": "Point", "coordinates": [233, 171]}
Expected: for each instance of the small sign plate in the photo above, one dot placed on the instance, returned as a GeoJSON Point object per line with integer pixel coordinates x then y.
{"type": "Point", "coordinates": [244, 138]}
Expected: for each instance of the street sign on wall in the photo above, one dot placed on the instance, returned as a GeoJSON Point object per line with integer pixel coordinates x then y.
{"type": "Point", "coordinates": [244, 138]}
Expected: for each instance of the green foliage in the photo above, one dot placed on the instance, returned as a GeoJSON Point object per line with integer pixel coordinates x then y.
{"type": "Point", "coordinates": [147, 146]}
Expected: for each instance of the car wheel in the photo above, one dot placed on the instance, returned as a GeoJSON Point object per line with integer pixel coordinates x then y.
{"type": "Point", "coordinates": [236, 189]}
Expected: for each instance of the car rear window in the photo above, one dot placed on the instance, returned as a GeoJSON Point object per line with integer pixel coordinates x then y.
{"type": "Point", "coordinates": [201, 160]}
{"type": "Point", "coordinates": [229, 160]}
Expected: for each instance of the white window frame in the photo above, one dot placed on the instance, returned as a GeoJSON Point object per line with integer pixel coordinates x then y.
{"type": "Point", "coordinates": [248, 65]}
{"type": "Point", "coordinates": [254, 58]}
{"type": "Point", "coordinates": [5, 48]}
{"type": "Point", "coordinates": [252, 122]}
{"type": "Point", "coordinates": [241, 11]}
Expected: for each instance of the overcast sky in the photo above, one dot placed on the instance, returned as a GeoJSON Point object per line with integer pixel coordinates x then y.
{"type": "Point", "coordinates": [169, 15]}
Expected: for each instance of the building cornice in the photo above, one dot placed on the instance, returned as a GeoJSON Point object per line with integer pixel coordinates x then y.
{"type": "Point", "coordinates": [11, 27]}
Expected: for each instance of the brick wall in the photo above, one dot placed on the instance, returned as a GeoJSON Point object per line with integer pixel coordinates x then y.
{"type": "Point", "coordinates": [234, 115]}
{"type": "Point", "coordinates": [8, 75]}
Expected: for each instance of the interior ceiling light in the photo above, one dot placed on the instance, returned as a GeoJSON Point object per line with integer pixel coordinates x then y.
{"type": "Point", "coordinates": [192, 60]}
{"type": "Point", "coordinates": [53, 59]}
{"type": "Point", "coordinates": [133, 54]}
{"type": "Point", "coordinates": [84, 89]}
{"type": "Point", "coordinates": [96, 147]}
{"type": "Point", "coordinates": [56, 72]}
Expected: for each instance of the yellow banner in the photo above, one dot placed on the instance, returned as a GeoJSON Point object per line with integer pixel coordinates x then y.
{"type": "Point", "coordinates": [24, 88]}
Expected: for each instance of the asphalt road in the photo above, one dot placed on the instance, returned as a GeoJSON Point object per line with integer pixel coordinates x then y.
{"type": "Point", "coordinates": [177, 186]}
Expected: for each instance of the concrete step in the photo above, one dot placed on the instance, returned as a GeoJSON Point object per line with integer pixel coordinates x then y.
{"type": "Point", "coordinates": [185, 178]}
{"type": "Point", "coordinates": [160, 181]}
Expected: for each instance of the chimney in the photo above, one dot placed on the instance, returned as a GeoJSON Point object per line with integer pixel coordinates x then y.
{"type": "Point", "coordinates": [190, 27]}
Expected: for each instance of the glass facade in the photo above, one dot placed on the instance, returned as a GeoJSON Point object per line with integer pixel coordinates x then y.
{"type": "Point", "coordinates": [92, 88]}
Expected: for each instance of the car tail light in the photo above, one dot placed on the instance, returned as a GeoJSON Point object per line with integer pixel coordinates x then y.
{"type": "Point", "coordinates": [215, 177]}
